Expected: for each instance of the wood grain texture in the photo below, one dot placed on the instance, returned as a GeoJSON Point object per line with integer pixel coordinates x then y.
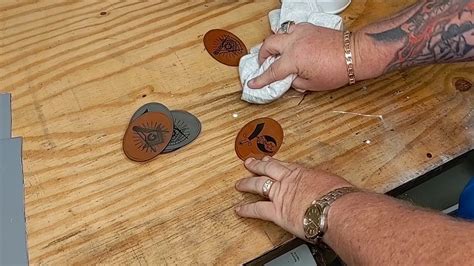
{"type": "Point", "coordinates": [78, 71]}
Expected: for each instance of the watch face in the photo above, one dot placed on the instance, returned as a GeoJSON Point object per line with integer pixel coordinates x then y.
{"type": "Point", "coordinates": [312, 220]}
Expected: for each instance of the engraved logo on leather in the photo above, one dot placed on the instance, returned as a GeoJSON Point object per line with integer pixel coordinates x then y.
{"type": "Point", "coordinates": [181, 132]}
{"type": "Point", "coordinates": [227, 44]}
{"type": "Point", "coordinates": [147, 137]}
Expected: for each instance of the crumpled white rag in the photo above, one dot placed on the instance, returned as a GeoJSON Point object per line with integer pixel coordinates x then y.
{"type": "Point", "coordinates": [291, 10]}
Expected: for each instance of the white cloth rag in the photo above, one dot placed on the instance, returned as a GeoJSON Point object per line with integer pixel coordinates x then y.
{"type": "Point", "coordinates": [249, 68]}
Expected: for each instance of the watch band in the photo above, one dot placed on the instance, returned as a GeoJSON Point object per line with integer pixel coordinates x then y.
{"type": "Point", "coordinates": [325, 203]}
{"type": "Point", "coordinates": [332, 196]}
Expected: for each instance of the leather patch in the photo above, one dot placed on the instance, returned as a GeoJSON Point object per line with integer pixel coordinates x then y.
{"type": "Point", "coordinates": [224, 46]}
{"type": "Point", "coordinates": [147, 136]}
{"type": "Point", "coordinates": [259, 138]}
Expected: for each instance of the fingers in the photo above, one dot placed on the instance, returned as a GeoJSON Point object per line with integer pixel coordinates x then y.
{"type": "Point", "coordinates": [273, 45]}
{"type": "Point", "coordinates": [264, 210]}
{"type": "Point", "coordinates": [270, 167]}
{"type": "Point", "coordinates": [255, 185]}
{"type": "Point", "coordinates": [291, 166]}
{"type": "Point", "coordinates": [279, 70]}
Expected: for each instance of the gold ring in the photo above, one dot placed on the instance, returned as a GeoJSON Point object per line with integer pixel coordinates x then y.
{"type": "Point", "coordinates": [266, 188]}
{"type": "Point", "coordinates": [285, 26]}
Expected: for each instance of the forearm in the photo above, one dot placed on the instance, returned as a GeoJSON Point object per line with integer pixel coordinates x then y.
{"type": "Point", "coordinates": [372, 229]}
{"type": "Point", "coordinates": [432, 31]}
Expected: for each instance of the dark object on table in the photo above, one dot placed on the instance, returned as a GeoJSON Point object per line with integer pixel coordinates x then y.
{"type": "Point", "coordinates": [259, 138]}
{"type": "Point", "coordinates": [224, 46]}
{"type": "Point", "coordinates": [154, 129]}
{"type": "Point", "coordinates": [147, 136]}
{"type": "Point", "coordinates": [152, 107]}
{"type": "Point", "coordinates": [186, 129]}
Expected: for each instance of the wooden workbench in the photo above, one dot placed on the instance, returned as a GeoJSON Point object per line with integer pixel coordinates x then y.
{"type": "Point", "coordinates": [78, 71]}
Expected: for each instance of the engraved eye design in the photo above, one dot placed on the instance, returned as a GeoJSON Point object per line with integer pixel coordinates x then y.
{"type": "Point", "coordinates": [227, 44]}
{"type": "Point", "coordinates": [181, 132]}
{"type": "Point", "coordinates": [147, 136]}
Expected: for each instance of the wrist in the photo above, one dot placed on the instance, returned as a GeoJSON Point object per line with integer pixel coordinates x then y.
{"type": "Point", "coordinates": [338, 212]}
{"type": "Point", "coordinates": [367, 63]}
{"type": "Point", "coordinates": [315, 222]}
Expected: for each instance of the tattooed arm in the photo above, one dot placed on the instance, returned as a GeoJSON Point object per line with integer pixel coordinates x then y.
{"type": "Point", "coordinates": [432, 31]}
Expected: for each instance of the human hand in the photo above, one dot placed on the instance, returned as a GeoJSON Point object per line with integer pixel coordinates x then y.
{"type": "Point", "coordinates": [293, 190]}
{"type": "Point", "coordinates": [314, 53]}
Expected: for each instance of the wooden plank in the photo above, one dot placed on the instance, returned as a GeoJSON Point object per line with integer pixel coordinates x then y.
{"type": "Point", "coordinates": [78, 71]}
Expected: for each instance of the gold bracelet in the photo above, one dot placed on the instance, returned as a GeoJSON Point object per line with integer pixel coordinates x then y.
{"type": "Point", "coordinates": [348, 57]}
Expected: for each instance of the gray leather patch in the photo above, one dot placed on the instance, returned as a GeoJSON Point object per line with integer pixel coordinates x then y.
{"type": "Point", "coordinates": [186, 129]}
{"type": "Point", "coordinates": [152, 107]}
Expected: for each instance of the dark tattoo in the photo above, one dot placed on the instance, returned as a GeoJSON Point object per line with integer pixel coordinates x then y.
{"type": "Point", "coordinates": [435, 33]}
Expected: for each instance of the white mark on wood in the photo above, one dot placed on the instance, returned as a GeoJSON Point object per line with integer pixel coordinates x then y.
{"type": "Point", "coordinates": [235, 115]}
{"type": "Point", "coordinates": [445, 158]}
{"type": "Point", "coordinates": [367, 141]}
{"type": "Point", "coordinates": [359, 114]}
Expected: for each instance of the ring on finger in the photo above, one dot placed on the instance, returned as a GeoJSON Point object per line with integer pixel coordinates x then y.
{"type": "Point", "coordinates": [285, 26]}
{"type": "Point", "coordinates": [267, 186]}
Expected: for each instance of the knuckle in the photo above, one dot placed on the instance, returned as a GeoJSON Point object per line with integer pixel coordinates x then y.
{"type": "Point", "coordinates": [256, 184]}
{"type": "Point", "coordinates": [255, 210]}
{"type": "Point", "coordinates": [296, 173]}
{"type": "Point", "coordinates": [269, 39]}
{"type": "Point", "coordinates": [275, 191]}
{"type": "Point", "coordinates": [271, 69]}
{"type": "Point", "coordinates": [254, 163]}
{"type": "Point", "coordinates": [269, 166]}
{"type": "Point", "coordinates": [254, 166]}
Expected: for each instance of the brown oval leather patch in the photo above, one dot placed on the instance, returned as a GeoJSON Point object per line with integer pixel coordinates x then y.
{"type": "Point", "coordinates": [147, 136]}
{"type": "Point", "coordinates": [259, 138]}
{"type": "Point", "coordinates": [224, 46]}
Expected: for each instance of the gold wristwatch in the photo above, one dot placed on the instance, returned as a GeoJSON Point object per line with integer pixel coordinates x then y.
{"type": "Point", "coordinates": [315, 221]}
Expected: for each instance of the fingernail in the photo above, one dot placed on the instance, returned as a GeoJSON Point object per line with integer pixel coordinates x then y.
{"type": "Point", "coordinates": [237, 209]}
{"type": "Point", "coordinates": [237, 184]}
{"type": "Point", "coordinates": [266, 158]}
{"type": "Point", "coordinates": [251, 82]}
{"type": "Point", "coordinates": [249, 160]}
